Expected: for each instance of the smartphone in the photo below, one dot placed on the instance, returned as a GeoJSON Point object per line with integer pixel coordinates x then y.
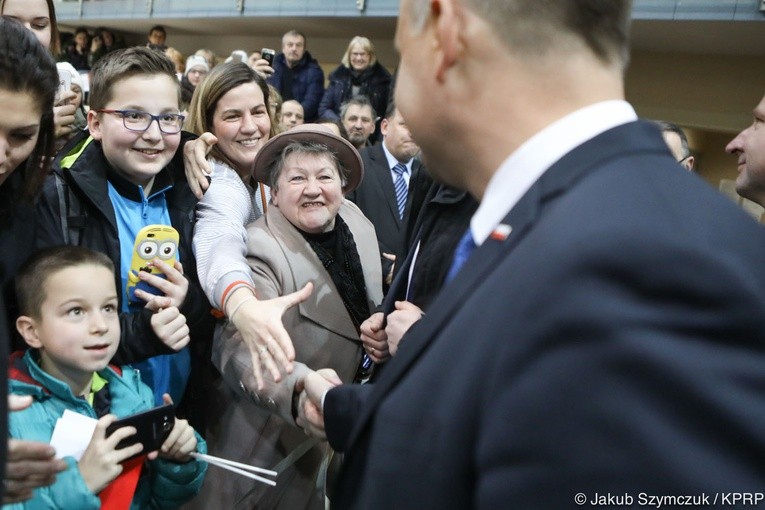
{"type": "Point", "coordinates": [152, 428]}
{"type": "Point", "coordinates": [268, 55]}
{"type": "Point", "coordinates": [152, 241]}
{"type": "Point", "coordinates": [64, 81]}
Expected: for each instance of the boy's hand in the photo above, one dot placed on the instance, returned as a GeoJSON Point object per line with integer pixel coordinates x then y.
{"type": "Point", "coordinates": [195, 162]}
{"type": "Point", "coordinates": [180, 443]}
{"type": "Point", "coordinates": [175, 286]}
{"type": "Point", "coordinates": [101, 462]}
{"type": "Point", "coordinates": [168, 323]}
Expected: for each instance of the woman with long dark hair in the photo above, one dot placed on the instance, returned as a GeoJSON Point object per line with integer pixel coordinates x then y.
{"type": "Point", "coordinates": [28, 81]}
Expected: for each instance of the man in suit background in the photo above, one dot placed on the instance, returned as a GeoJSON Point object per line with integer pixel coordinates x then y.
{"type": "Point", "coordinates": [394, 188]}
{"type": "Point", "coordinates": [605, 339]}
{"type": "Point", "coordinates": [358, 117]}
{"type": "Point", "coordinates": [749, 148]}
{"type": "Point", "coordinates": [677, 142]}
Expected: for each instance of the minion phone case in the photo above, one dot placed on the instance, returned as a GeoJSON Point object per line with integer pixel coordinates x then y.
{"type": "Point", "coordinates": [152, 242]}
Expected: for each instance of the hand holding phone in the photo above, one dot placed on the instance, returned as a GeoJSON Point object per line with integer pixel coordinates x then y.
{"type": "Point", "coordinates": [64, 82]}
{"type": "Point", "coordinates": [101, 462]}
{"type": "Point", "coordinates": [152, 428]}
{"type": "Point", "coordinates": [268, 55]}
{"type": "Point", "coordinates": [152, 242]}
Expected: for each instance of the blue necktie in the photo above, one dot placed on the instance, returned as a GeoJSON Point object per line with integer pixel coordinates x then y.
{"type": "Point", "coordinates": [400, 187]}
{"type": "Point", "coordinates": [461, 254]}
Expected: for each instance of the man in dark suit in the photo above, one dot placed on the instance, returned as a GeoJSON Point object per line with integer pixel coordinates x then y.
{"type": "Point", "coordinates": [749, 148]}
{"type": "Point", "coordinates": [604, 342]}
{"type": "Point", "coordinates": [394, 187]}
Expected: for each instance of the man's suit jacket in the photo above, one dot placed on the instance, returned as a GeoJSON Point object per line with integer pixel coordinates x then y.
{"type": "Point", "coordinates": [257, 427]}
{"type": "Point", "coordinates": [377, 200]}
{"type": "Point", "coordinates": [612, 343]}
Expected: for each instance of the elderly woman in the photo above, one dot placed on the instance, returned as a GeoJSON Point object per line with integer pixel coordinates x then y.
{"type": "Point", "coordinates": [231, 108]}
{"type": "Point", "coordinates": [359, 74]}
{"type": "Point", "coordinates": [310, 233]}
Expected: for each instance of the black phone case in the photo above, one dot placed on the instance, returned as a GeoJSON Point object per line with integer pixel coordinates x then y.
{"type": "Point", "coordinates": [268, 56]}
{"type": "Point", "coordinates": [153, 427]}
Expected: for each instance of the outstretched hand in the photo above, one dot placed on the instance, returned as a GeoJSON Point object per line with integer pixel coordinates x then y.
{"type": "Point", "coordinates": [260, 324]}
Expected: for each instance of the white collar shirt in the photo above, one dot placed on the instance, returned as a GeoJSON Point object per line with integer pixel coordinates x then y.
{"type": "Point", "coordinates": [392, 161]}
{"type": "Point", "coordinates": [534, 157]}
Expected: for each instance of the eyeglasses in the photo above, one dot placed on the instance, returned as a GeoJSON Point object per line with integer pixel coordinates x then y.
{"type": "Point", "coordinates": [681, 161]}
{"type": "Point", "coordinates": [135, 120]}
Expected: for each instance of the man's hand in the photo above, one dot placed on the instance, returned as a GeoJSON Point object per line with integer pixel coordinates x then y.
{"type": "Point", "coordinates": [195, 162]}
{"type": "Point", "coordinates": [312, 388]}
{"type": "Point", "coordinates": [399, 323]}
{"type": "Point", "coordinates": [30, 464]}
{"type": "Point", "coordinates": [374, 339]}
{"type": "Point", "coordinates": [260, 324]}
{"type": "Point", "coordinates": [262, 68]}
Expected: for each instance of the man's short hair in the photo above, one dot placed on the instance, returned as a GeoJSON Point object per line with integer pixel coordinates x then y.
{"type": "Point", "coordinates": [534, 27]}
{"type": "Point", "coordinates": [158, 28]}
{"type": "Point", "coordinates": [390, 110]}
{"type": "Point", "coordinates": [294, 33]}
{"type": "Point", "coordinates": [122, 64]}
{"type": "Point", "coordinates": [32, 278]}
{"type": "Point", "coordinates": [359, 100]}
{"type": "Point", "coordinates": [669, 127]}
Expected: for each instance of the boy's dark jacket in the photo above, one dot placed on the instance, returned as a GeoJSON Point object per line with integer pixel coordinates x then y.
{"type": "Point", "coordinates": [85, 175]}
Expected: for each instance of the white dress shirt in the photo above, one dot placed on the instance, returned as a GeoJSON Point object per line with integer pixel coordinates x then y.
{"type": "Point", "coordinates": [532, 159]}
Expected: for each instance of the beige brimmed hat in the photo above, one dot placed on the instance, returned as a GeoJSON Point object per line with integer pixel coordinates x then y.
{"type": "Point", "coordinates": [347, 154]}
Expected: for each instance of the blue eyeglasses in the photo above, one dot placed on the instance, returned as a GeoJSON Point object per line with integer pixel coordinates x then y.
{"type": "Point", "coordinates": [135, 120]}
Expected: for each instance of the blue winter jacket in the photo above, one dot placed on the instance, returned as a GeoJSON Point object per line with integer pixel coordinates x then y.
{"type": "Point", "coordinates": [307, 83]}
{"type": "Point", "coordinates": [163, 484]}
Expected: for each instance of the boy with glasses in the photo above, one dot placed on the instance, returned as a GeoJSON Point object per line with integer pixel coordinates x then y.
{"type": "Point", "coordinates": [118, 177]}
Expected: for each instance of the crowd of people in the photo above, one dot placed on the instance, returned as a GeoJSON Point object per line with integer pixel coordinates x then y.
{"type": "Point", "coordinates": [544, 313]}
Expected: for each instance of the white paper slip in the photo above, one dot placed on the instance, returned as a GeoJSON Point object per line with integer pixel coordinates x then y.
{"type": "Point", "coordinates": [72, 434]}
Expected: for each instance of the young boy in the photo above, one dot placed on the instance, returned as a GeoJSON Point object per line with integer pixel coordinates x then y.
{"type": "Point", "coordinates": [118, 177]}
{"type": "Point", "coordinates": [68, 302]}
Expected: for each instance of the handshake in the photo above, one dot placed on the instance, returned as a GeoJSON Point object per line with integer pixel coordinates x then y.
{"type": "Point", "coordinates": [309, 391]}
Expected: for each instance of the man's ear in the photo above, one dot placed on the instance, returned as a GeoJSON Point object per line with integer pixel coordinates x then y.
{"type": "Point", "coordinates": [384, 126]}
{"type": "Point", "coordinates": [94, 125]}
{"type": "Point", "coordinates": [27, 328]}
{"type": "Point", "coordinates": [688, 163]}
{"type": "Point", "coordinates": [447, 22]}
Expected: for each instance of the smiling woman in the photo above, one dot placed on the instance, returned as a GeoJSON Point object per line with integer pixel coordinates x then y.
{"type": "Point", "coordinates": [359, 74]}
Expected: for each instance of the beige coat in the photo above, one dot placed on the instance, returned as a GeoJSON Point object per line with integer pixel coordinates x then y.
{"type": "Point", "coordinates": [257, 427]}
